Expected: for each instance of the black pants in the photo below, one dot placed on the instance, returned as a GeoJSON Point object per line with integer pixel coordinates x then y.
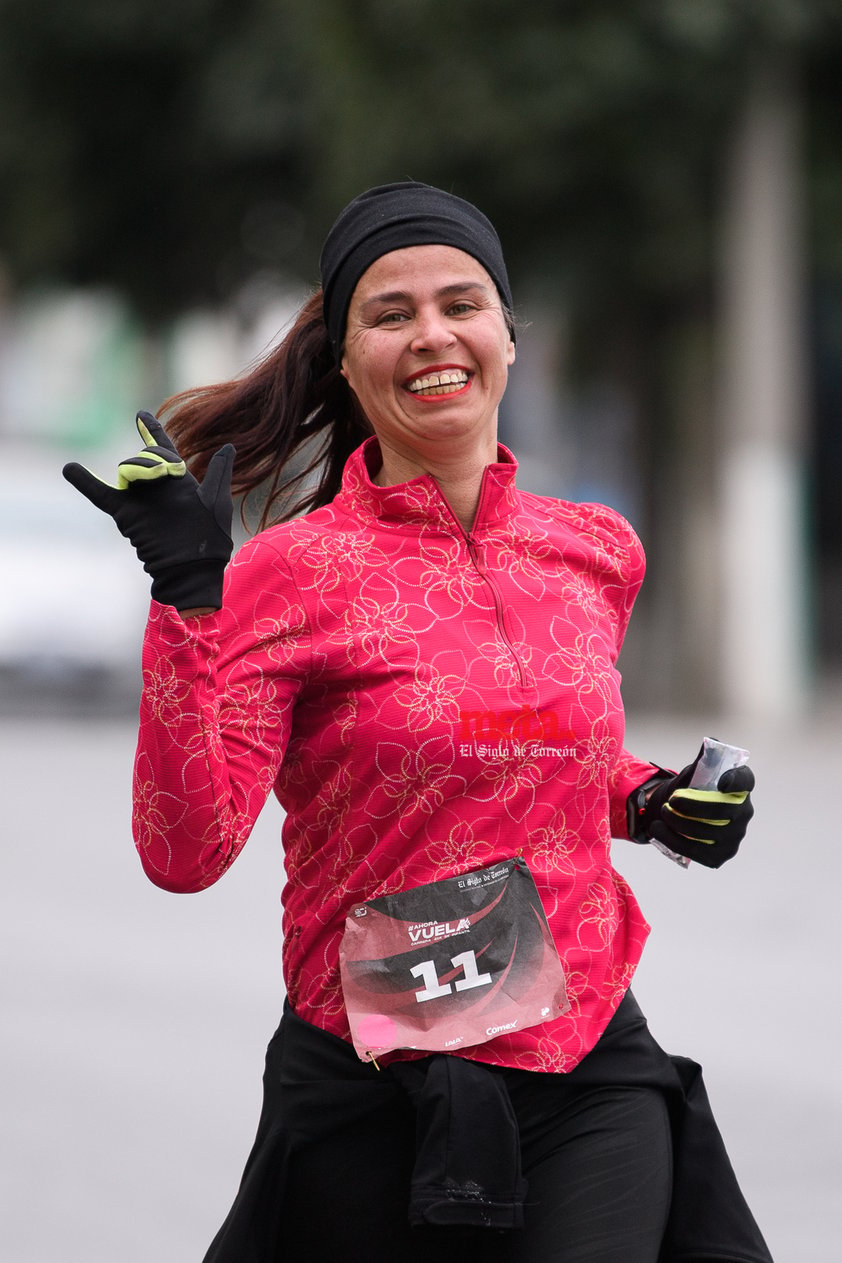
{"type": "Point", "coordinates": [330, 1171]}
{"type": "Point", "coordinates": [598, 1164]}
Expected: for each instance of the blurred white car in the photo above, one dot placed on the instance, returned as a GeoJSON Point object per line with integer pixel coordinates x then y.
{"type": "Point", "coordinates": [73, 596]}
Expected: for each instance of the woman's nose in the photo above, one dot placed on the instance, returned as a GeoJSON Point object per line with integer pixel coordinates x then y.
{"type": "Point", "coordinates": [432, 332]}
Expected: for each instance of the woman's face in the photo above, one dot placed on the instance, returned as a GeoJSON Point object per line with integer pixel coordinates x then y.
{"type": "Point", "coordinates": [427, 351]}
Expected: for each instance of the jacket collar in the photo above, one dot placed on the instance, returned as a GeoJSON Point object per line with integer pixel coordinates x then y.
{"type": "Point", "coordinates": [420, 503]}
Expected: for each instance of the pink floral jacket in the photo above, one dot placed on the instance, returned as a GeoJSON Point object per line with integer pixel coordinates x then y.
{"type": "Point", "coordinates": [423, 702]}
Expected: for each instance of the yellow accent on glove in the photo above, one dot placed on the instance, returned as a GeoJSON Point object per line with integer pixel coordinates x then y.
{"type": "Point", "coordinates": [146, 467]}
{"type": "Point", "coordinates": [709, 796]}
{"type": "Point", "coordinates": [153, 462]}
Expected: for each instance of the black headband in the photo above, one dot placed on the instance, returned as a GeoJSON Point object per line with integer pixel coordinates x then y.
{"type": "Point", "coordinates": [392, 217]}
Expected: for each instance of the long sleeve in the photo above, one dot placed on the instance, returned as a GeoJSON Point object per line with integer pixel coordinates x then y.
{"type": "Point", "coordinates": [617, 540]}
{"type": "Point", "coordinates": [627, 773]}
{"type": "Point", "coordinates": [215, 720]}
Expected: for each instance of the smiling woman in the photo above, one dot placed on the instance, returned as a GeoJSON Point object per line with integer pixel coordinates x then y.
{"type": "Point", "coordinates": [461, 1064]}
{"type": "Point", "coordinates": [426, 353]}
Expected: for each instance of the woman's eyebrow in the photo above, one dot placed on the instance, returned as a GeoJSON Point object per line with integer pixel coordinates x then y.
{"type": "Point", "coordinates": [447, 291]}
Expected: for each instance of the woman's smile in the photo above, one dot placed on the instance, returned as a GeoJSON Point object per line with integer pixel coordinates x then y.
{"type": "Point", "coordinates": [427, 352]}
{"type": "Point", "coordinates": [434, 383]}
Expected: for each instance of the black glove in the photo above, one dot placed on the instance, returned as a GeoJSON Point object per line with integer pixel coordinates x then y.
{"type": "Point", "coordinates": [705, 825]}
{"type": "Point", "coordinates": [181, 529]}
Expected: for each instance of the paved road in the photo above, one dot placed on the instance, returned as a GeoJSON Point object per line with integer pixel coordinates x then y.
{"type": "Point", "coordinates": [134, 1022]}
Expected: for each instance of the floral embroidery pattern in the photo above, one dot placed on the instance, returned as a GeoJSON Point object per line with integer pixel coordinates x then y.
{"type": "Point", "coordinates": [366, 669]}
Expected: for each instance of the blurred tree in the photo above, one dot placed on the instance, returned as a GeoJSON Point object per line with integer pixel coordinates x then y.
{"type": "Point", "coordinates": [173, 151]}
{"type": "Point", "coordinates": [170, 150]}
{"type": "Point", "coordinates": [149, 146]}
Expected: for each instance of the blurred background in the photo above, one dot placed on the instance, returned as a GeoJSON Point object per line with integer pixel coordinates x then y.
{"type": "Point", "coordinates": [666, 178]}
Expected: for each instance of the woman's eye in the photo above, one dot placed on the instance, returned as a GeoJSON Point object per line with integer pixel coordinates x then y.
{"type": "Point", "coordinates": [461, 308]}
{"type": "Point", "coordinates": [391, 317]}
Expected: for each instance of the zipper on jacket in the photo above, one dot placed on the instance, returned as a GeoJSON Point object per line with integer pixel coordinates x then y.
{"type": "Point", "coordinates": [473, 552]}
{"type": "Point", "coordinates": [472, 546]}
{"type": "Point", "coordinates": [498, 607]}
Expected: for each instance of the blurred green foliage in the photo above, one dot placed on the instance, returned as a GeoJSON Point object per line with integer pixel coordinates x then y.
{"type": "Point", "coordinates": [172, 150]}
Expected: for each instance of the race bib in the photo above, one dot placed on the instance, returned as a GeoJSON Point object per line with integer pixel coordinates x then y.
{"type": "Point", "coordinates": [450, 964]}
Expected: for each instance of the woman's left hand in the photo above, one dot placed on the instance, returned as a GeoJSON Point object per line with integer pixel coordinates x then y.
{"type": "Point", "coordinates": [180, 528]}
{"type": "Point", "coordinates": [705, 825]}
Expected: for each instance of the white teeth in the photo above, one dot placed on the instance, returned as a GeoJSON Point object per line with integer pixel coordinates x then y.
{"type": "Point", "coordinates": [439, 383]}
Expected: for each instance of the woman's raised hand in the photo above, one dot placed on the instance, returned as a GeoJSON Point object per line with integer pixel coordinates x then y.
{"type": "Point", "coordinates": [180, 528]}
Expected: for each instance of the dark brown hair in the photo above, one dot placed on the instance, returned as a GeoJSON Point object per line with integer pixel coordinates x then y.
{"type": "Point", "coordinates": [292, 418]}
